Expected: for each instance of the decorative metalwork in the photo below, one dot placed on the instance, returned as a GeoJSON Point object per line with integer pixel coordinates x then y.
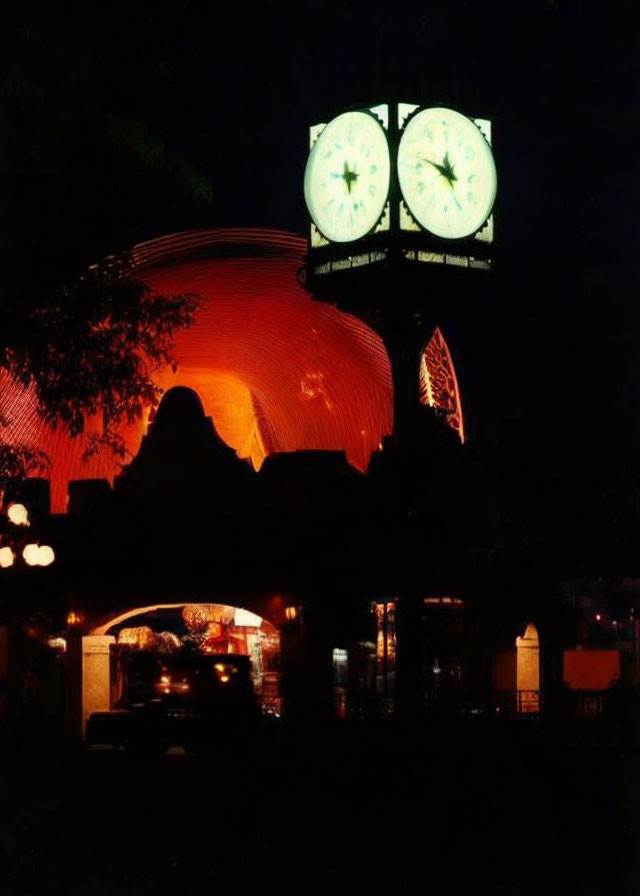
{"type": "Point", "coordinates": [438, 382]}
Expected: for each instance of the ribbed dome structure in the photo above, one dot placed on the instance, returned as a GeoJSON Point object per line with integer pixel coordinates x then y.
{"type": "Point", "coordinates": [275, 370]}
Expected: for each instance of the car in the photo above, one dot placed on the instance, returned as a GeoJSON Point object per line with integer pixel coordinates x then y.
{"type": "Point", "coordinates": [189, 700]}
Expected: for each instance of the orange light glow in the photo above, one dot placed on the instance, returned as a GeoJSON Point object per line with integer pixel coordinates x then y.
{"type": "Point", "coordinates": [142, 637]}
{"type": "Point", "coordinates": [196, 616]}
{"type": "Point", "coordinates": [275, 370]}
{"type": "Point", "coordinates": [214, 630]}
{"type": "Point", "coordinates": [386, 636]}
{"type": "Point", "coordinates": [166, 685]}
{"type": "Point", "coordinates": [74, 619]}
{"type": "Point", "coordinates": [591, 670]}
{"type": "Point", "coordinates": [225, 671]}
{"type": "Point", "coordinates": [291, 613]}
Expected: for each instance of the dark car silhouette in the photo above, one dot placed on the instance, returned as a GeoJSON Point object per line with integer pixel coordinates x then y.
{"type": "Point", "coordinates": [194, 701]}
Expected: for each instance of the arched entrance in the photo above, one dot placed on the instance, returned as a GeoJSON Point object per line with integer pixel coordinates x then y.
{"type": "Point", "coordinates": [175, 629]}
{"type": "Point", "coordinates": [528, 670]}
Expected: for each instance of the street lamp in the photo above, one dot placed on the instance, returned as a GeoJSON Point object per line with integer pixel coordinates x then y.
{"type": "Point", "coordinates": [38, 555]}
{"type": "Point", "coordinates": [33, 553]}
{"type": "Point", "coordinates": [18, 514]}
{"type": "Point", "coordinates": [6, 557]}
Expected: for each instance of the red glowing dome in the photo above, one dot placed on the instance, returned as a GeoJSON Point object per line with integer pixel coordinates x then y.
{"type": "Point", "coordinates": [275, 370]}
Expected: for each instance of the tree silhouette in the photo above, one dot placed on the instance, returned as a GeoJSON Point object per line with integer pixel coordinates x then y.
{"type": "Point", "coordinates": [82, 172]}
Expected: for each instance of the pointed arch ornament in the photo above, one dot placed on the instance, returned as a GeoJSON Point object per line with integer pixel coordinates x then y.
{"type": "Point", "coordinates": [439, 384]}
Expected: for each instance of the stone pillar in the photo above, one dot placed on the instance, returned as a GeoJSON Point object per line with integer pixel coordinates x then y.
{"type": "Point", "coordinates": [528, 670]}
{"type": "Point", "coordinates": [96, 675]}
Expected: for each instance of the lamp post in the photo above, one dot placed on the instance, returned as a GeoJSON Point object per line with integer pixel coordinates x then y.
{"type": "Point", "coordinates": [25, 629]}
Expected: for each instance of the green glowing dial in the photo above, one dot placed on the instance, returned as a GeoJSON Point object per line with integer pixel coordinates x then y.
{"type": "Point", "coordinates": [446, 172]}
{"type": "Point", "coordinates": [346, 180]}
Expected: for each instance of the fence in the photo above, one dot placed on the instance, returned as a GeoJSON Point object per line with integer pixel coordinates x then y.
{"type": "Point", "coordinates": [500, 705]}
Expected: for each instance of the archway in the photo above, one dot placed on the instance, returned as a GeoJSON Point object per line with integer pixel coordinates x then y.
{"type": "Point", "coordinates": [528, 670]}
{"type": "Point", "coordinates": [174, 629]}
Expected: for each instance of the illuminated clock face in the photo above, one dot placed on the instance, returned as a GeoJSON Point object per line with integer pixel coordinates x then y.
{"type": "Point", "coordinates": [446, 172]}
{"type": "Point", "coordinates": [346, 180]}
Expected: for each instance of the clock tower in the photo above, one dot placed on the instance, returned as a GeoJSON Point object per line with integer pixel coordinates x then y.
{"type": "Point", "coordinates": [401, 202]}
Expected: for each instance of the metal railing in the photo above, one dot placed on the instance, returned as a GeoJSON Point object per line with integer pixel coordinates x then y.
{"type": "Point", "coordinates": [524, 706]}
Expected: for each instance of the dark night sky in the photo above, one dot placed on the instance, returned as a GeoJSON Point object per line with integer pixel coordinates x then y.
{"type": "Point", "coordinates": [560, 81]}
{"type": "Point", "coordinates": [547, 360]}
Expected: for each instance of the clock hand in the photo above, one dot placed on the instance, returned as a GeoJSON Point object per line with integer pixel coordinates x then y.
{"type": "Point", "coordinates": [438, 168]}
{"type": "Point", "coordinates": [349, 177]}
{"type": "Point", "coordinates": [446, 169]}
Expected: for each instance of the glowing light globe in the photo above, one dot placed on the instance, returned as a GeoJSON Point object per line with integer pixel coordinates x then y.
{"type": "Point", "coordinates": [18, 514]}
{"type": "Point", "coordinates": [46, 555]}
{"type": "Point", "coordinates": [31, 555]}
{"type": "Point", "coordinates": [6, 557]}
